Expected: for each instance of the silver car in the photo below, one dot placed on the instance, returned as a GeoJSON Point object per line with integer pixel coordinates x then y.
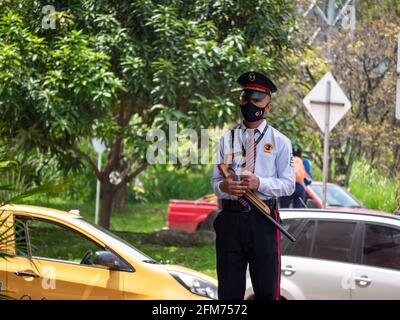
{"type": "Point", "coordinates": [339, 255]}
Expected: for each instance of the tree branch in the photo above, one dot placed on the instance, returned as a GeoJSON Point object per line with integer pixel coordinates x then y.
{"type": "Point", "coordinates": [122, 120]}
{"type": "Point", "coordinates": [129, 177]}
{"type": "Point", "coordinates": [86, 157]}
{"type": "Point", "coordinates": [311, 75]}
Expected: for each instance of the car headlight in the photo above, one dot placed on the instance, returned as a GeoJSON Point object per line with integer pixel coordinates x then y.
{"type": "Point", "coordinates": [196, 285]}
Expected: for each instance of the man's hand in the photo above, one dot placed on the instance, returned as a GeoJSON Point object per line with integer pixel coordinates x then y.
{"type": "Point", "coordinates": [235, 188]}
{"type": "Point", "coordinates": [250, 180]}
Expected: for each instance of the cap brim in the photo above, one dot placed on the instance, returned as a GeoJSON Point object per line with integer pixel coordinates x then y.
{"type": "Point", "coordinates": [251, 94]}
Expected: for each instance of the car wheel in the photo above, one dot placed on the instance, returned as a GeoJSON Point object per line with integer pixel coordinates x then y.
{"type": "Point", "coordinates": [208, 223]}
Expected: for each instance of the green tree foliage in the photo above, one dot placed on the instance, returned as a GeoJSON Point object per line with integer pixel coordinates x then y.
{"type": "Point", "coordinates": [365, 67]}
{"type": "Point", "coordinates": [117, 69]}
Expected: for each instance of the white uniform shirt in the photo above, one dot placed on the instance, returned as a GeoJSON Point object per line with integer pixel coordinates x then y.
{"type": "Point", "coordinates": [273, 162]}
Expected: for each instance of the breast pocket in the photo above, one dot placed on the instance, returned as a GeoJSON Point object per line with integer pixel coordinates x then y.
{"type": "Point", "coordinates": [265, 164]}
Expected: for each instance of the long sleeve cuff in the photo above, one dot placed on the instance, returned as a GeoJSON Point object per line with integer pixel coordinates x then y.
{"type": "Point", "coordinates": [218, 192]}
{"type": "Point", "coordinates": [222, 195]}
{"type": "Point", "coordinates": [263, 186]}
{"type": "Point", "coordinates": [275, 187]}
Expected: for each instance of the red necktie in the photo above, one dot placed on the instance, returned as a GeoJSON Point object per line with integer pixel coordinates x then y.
{"type": "Point", "coordinates": [250, 157]}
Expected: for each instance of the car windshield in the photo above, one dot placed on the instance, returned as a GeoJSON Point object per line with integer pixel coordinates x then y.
{"type": "Point", "coordinates": [114, 239]}
{"type": "Point", "coordinates": [336, 196]}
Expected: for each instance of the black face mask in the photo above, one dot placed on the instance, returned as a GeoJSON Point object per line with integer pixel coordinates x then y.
{"type": "Point", "coordinates": [251, 112]}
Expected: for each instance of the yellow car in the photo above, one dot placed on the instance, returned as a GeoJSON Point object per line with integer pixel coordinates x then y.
{"type": "Point", "coordinates": [85, 262]}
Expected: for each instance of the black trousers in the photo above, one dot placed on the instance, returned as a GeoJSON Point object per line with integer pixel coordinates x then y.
{"type": "Point", "coordinates": [247, 238]}
{"type": "Point", "coordinates": [299, 193]}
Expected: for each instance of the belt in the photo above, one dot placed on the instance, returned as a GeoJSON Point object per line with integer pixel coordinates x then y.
{"type": "Point", "coordinates": [235, 205]}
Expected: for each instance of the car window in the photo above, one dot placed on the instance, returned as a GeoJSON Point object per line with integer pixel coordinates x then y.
{"type": "Point", "coordinates": [50, 240]}
{"type": "Point", "coordinates": [336, 196]}
{"type": "Point", "coordinates": [20, 238]}
{"type": "Point", "coordinates": [291, 225]}
{"type": "Point", "coordinates": [114, 240]}
{"type": "Point", "coordinates": [302, 246]}
{"type": "Point", "coordinates": [381, 247]}
{"type": "Point", "coordinates": [334, 240]}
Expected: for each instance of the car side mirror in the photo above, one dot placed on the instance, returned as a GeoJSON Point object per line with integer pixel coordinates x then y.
{"type": "Point", "coordinates": [312, 204]}
{"type": "Point", "coordinates": [108, 259]}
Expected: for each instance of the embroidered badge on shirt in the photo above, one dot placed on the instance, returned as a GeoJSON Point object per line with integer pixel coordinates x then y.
{"type": "Point", "coordinates": [291, 160]}
{"type": "Point", "coordinates": [268, 148]}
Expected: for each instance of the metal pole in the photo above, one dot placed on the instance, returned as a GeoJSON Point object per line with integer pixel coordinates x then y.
{"type": "Point", "coordinates": [325, 169]}
{"type": "Point", "coordinates": [326, 144]}
{"type": "Point", "coordinates": [96, 219]}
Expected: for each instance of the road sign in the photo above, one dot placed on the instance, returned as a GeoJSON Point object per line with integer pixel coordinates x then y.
{"type": "Point", "coordinates": [327, 104]}
{"type": "Point", "coordinates": [316, 102]}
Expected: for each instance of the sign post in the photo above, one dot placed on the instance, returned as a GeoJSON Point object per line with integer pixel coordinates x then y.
{"type": "Point", "coordinates": [99, 147]}
{"type": "Point", "coordinates": [327, 104]}
{"type": "Point", "coordinates": [326, 142]}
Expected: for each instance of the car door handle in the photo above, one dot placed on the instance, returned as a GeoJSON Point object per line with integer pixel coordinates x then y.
{"type": "Point", "coordinates": [26, 274]}
{"type": "Point", "coordinates": [362, 281]}
{"type": "Point", "coordinates": [288, 271]}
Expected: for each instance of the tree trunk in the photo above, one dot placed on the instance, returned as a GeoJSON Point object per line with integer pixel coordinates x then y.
{"type": "Point", "coordinates": [120, 198]}
{"type": "Point", "coordinates": [108, 198]}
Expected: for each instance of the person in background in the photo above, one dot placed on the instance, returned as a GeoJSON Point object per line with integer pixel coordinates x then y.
{"type": "Point", "coordinates": [309, 177]}
{"type": "Point", "coordinates": [301, 176]}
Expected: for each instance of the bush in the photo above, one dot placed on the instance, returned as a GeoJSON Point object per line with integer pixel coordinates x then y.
{"type": "Point", "coordinates": [374, 190]}
{"type": "Point", "coordinates": [163, 182]}
{"type": "Point", "coordinates": [369, 186]}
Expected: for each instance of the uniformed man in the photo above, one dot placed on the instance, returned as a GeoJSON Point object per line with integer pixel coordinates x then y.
{"type": "Point", "coordinates": [261, 157]}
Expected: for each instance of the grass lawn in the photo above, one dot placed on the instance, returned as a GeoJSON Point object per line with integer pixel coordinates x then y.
{"type": "Point", "coordinates": [134, 223]}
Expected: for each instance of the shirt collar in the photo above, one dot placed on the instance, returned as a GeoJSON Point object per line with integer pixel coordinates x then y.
{"type": "Point", "coordinates": [260, 127]}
